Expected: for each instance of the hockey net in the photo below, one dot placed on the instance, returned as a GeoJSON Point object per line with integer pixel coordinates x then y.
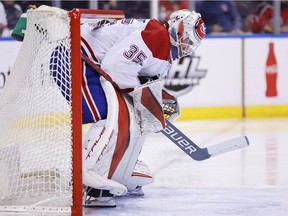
{"type": "Point", "coordinates": [40, 115]}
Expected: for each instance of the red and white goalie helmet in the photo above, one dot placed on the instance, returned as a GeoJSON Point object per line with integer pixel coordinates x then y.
{"type": "Point", "coordinates": [186, 30]}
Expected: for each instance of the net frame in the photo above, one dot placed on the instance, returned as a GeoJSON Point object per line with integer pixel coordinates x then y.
{"type": "Point", "coordinates": [77, 16]}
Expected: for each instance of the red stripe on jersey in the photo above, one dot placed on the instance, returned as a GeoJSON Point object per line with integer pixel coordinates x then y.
{"type": "Point", "coordinates": [89, 49]}
{"type": "Point", "coordinates": [156, 37]}
{"type": "Point", "coordinates": [149, 101]}
{"type": "Point", "coordinates": [123, 137]}
{"type": "Point", "coordinates": [88, 97]}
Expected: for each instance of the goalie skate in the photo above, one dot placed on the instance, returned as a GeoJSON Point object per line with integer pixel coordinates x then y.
{"type": "Point", "coordinates": [98, 198]}
{"type": "Point", "coordinates": [140, 176]}
{"type": "Point", "coordinates": [136, 192]}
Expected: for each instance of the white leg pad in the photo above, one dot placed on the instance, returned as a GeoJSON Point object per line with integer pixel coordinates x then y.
{"type": "Point", "coordinates": [141, 175]}
{"type": "Point", "coordinates": [92, 179]}
{"type": "Point", "coordinates": [99, 146]}
{"type": "Point", "coordinates": [131, 172]}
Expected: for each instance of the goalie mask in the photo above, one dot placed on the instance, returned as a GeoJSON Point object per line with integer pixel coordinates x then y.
{"type": "Point", "coordinates": [186, 30]}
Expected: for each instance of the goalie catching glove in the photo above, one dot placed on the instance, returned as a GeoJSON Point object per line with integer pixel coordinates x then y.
{"type": "Point", "coordinates": [171, 107]}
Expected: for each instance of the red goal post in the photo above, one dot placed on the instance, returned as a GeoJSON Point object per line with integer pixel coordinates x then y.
{"type": "Point", "coordinates": [76, 15]}
{"type": "Point", "coordinates": [41, 115]}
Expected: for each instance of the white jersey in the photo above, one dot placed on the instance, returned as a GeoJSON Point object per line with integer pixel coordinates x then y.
{"type": "Point", "coordinates": [128, 49]}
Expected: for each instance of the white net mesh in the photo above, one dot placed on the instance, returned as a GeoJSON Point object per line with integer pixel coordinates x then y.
{"type": "Point", "coordinates": [35, 117]}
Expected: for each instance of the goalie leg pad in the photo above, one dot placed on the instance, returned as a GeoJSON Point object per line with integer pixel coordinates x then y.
{"type": "Point", "coordinates": [132, 172]}
{"type": "Point", "coordinates": [99, 147]}
{"type": "Point", "coordinates": [92, 179]}
{"type": "Point", "coordinates": [112, 154]}
{"type": "Point", "coordinates": [141, 176]}
{"type": "Point", "coordinates": [125, 168]}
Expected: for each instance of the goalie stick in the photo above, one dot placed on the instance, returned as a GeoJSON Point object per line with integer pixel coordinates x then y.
{"type": "Point", "coordinates": [180, 139]}
{"type": "Point", "coordinates": [197, 153]}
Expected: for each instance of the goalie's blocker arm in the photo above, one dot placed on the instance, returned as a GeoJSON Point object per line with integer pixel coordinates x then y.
{"type": "Point", "coordinates": [171, 109]}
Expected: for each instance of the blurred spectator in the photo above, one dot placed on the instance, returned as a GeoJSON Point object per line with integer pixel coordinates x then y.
{"type": "Point", "coordinates": [167, 7]}
{"type": "Point", "coordinates": [284, 16]}
{"type": "Point", "coordinates": [136, 9]}
{"type": "Point", "coordinates": [24, 4]}
{"type": "Point", "coordinates": [261, 20]}
{"type": "Point", "coordinates": [220, 16]}
{"type": "Point", "coordinates": [133, 9]}
{"type": "Point", "coordinates": [3, 19]}
{"type": "Point", "coordinates": [13, 13]}
{"type": "Point", "coordinates": [108, 5]}
{"type": "Point", "coordinates": [69, 5]}
{"type": "Point", "coordinates": [245, 8]}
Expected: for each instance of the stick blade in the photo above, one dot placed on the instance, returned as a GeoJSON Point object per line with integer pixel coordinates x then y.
{"type": "Point", "coordinates": [229, 145]}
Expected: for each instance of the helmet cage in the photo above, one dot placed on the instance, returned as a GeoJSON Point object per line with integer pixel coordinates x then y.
{"type": "Point", "coordinates": [186, 34]}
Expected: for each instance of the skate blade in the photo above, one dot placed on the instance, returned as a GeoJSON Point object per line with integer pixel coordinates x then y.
{"type": "Point", "coordinates": [134, 194]}
{"type": "Point", "coordinates": [98, 204]}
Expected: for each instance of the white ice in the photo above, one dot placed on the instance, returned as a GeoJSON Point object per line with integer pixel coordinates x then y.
{"type": "Point", "coordinates": [248, 182]}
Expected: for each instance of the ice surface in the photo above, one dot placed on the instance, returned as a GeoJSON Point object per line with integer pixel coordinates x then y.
{"type": "Point", "coordinates": [248, 182]}
{"type": "Point", "coordinates": [200, 202]}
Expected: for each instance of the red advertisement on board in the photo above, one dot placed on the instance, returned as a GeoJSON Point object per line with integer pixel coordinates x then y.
{"type": "Point", "coordinates": [271, 73]}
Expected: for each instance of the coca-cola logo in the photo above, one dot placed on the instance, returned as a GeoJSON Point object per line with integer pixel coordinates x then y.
{"type": "Point", "coordinates": [271, 69]}
{"type": "Point", "coordinates": [184, 74]}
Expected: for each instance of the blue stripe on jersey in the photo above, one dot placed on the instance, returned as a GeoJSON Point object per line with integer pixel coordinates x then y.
{"type": "Point", "coordinates": [97, 94]}
{"type": "Point", "coordinates": [60, 70]}
{"type": "Point", "coordinates": [60, 73]}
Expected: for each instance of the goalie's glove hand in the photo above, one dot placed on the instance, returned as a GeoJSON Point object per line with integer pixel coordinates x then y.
{"type": "Point", "coordinates": [171, 107]}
